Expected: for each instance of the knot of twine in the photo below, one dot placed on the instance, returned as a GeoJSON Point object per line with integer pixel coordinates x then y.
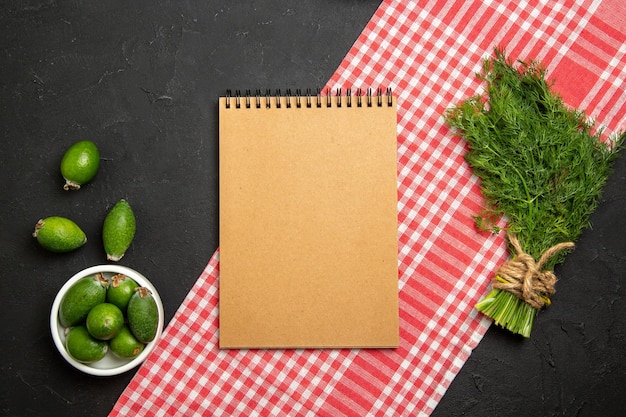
{"type": "Point", "coordinates": [523, 277]}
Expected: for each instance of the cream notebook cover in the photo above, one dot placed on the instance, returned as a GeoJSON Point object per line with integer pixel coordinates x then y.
{"type": "Point", "coordinates": [308, 221]}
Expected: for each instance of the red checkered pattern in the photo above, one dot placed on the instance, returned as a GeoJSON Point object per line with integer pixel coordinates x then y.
{"type": "Point", "coordinates": [428, 52]}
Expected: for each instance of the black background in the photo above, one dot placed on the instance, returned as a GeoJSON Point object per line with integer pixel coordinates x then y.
{"type": "Point", "coordinates": [141, 79]}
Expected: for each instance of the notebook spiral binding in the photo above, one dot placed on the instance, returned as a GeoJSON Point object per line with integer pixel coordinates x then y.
{"type": "Point", "coordinates": [308, 99]}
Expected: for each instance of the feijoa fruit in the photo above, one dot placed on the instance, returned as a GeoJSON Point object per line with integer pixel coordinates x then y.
{"type": "Point", "coordinates": [143, 315]}
{"type": "Point", "coordinates": [104, 321]}
{"type": "Point", "coordinates": [83, 347]}
{"type": "Point", "coordinates": [120, 291]}
{"type": "Point", "coordinates": [59, 234]}
{"type": "Point", "coordinates": [125, 345]}
{"type": "Point", "coordinates": [81, 297]}
{"type": "Point", "coordinates": [118, 230]}
{"type": "Point", "coordinates": [80, 164]}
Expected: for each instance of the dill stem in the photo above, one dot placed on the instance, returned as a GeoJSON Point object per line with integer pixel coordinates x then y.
{"type": "Point", "coordinates": [529, 199]}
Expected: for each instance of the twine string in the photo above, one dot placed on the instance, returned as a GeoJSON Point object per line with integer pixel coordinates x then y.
{"type": "Point", "coordinates": [523, 277]}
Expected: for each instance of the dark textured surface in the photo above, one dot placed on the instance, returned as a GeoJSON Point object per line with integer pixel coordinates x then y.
{"type": "Point", "coordinates": [141, 79]}
{"type": "Point", "coordinates": [573, 364]}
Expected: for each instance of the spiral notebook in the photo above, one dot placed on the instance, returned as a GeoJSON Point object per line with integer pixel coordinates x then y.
{"type": "Point", "coordinates": [308, 220]}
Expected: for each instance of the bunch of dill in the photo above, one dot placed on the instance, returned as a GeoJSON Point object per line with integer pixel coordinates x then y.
{"type": "Point", "coordinates": [540, 164]}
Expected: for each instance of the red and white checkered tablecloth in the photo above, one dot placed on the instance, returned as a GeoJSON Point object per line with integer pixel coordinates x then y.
{"type": "Point", "coordinates": [428, 52]}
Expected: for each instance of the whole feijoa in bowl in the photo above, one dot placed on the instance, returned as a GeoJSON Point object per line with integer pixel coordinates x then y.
{"type": "Point", "coordinates": [102, 341]}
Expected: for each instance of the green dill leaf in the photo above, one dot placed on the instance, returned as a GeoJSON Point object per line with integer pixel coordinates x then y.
{"type": "Point", "coordinates": [540, 163]}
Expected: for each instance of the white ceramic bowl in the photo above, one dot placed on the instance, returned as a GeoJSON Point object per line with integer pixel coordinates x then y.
{"type": "Point", "coordinates": [110, 364]}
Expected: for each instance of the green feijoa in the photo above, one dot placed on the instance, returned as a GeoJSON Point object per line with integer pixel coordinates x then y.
{"type": "Point", "coordinates": [83, 347]}
{"type": "Point", "coordinates": [125, 345]}
{"type": "Point", "coordinates": [59, 234]}
{"type": "Point", "coordinates": [104, 321]}
{"type": "Point", "coordinates": [143, 315]}
{"type": "Point", "coordinates": [81, 297]}
{"type": "Point", "coordinates": [118, 230]}
{"type": "Point", "coordinates": [120, 291]}
{"type": "Point", "coordinates": [80, 164]}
